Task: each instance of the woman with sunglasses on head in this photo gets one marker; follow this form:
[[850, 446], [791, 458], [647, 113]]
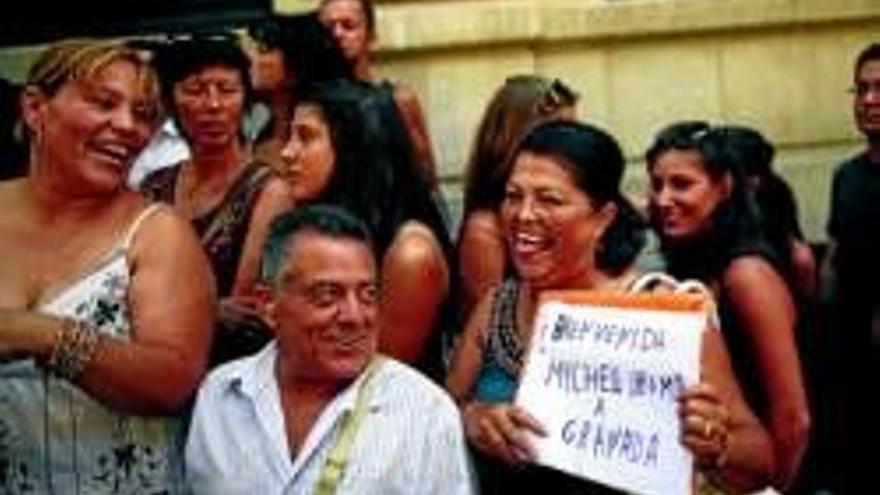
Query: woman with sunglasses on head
[[229, 197], [519, 104], [710, 230], [567, 226]]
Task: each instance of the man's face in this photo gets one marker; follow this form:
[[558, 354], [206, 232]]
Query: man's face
[[866, 98], [325, 306]]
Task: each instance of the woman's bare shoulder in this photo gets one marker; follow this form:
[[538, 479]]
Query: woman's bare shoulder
[[414, 242], [163, 230], [415, 257], [750, 271], [482, 222], [11, 199]]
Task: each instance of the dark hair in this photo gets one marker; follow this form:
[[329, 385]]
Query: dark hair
[[518, 105], [736, 226], [596, 162], [366, 7], [311, 54], [698, 136], [869, 53], [750, 149], [182, 57], [326, 220], [375, 176], [775, 199]]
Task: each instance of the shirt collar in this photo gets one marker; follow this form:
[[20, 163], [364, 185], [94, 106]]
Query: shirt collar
[[169, 127], [255, 373]]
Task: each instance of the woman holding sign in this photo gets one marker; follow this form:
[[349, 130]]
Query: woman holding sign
[[568, 226]]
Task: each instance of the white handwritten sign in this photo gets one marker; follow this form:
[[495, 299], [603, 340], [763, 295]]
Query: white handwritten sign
[[603, 380]]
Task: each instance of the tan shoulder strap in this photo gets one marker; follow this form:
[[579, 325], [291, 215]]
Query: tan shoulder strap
[[133, 228], [334, 467]]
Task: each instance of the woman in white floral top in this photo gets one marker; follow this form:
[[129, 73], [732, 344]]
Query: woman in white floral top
[[106, 302]]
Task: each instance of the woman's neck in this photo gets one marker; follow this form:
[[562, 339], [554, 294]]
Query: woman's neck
[[364, 70], [210, 164], [57, 200], [293, 381]]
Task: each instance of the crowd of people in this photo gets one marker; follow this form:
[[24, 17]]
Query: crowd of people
[[227, 267]]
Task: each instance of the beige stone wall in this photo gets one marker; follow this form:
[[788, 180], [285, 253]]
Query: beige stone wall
[[780, 65]]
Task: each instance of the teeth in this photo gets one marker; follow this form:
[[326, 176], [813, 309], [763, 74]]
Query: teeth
[[527, 243], [528, 238], [117, 151]]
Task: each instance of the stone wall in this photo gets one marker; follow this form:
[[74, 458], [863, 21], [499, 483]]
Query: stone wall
[[780, 65]]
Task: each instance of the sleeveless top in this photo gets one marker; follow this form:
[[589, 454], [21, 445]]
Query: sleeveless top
[[57, 439], [224, 228], [505, 350]]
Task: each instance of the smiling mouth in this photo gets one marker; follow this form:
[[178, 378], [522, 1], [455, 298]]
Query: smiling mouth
[[348, 341], [117, 154], [526, 244]]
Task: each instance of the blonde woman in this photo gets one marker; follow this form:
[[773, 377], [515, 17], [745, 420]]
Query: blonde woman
[[106, 302]]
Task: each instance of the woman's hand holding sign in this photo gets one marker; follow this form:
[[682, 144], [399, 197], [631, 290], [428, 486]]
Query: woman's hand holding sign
[[705, 425], [502, 430]]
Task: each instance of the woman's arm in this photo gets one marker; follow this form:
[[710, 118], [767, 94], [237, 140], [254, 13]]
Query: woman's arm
[[172, 313], [481, 256], [275, 198], [729, 443], [467, 357], [764, 308], [806, 271], [499, 430], [414, 118], [415, 282]]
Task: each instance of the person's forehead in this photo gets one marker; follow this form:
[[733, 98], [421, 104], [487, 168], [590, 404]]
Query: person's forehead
[[343, 8], [214, 72], [308, 111], [310, 254], [870, 69]]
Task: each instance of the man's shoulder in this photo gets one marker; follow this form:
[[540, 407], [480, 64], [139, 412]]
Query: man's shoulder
[[239, 372], [855, 164]]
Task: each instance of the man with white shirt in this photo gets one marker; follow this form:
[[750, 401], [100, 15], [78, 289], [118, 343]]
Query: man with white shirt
[[318, 410]]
